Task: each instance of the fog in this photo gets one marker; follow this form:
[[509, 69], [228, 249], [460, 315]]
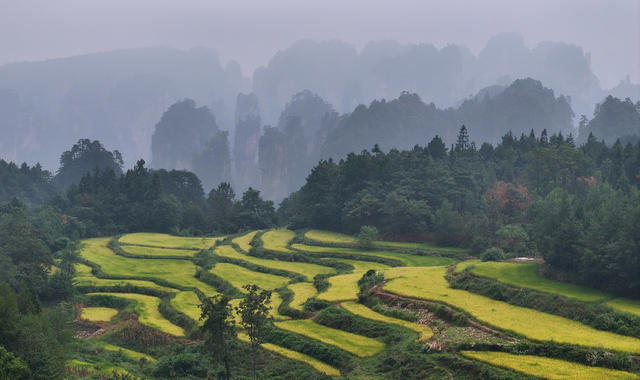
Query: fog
[[251, 31]]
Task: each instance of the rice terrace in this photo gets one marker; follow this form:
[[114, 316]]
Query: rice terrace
[[329, 318]]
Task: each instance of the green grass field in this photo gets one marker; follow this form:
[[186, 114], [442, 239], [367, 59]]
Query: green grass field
[[84, 277], [157, 252], [239, 276], [244, 241], [356, 344], [360, 265], [424, 332], [430, 283], [147, 310], [169, 241], [187, 303], [277, 240], [135, 355], [461, 266], [294, 355], [302, 291], [547, 368], [174, 271], [309, 271], [343, 287], [98, 314], [338, 238], [404, 258]]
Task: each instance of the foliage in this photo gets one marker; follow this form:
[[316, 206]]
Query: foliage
[[254, 317], [492, 254], [219, 326], [367, 236], [11, 368], [84, 157]]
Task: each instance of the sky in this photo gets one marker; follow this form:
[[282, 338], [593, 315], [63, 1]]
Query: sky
[[252, 31]]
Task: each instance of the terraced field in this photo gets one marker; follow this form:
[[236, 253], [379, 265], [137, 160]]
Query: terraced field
[[147, 311], [309, 271], [169, 241], [401, 258], [176, 272], [429, 283], [548, 368], [416, 276], [527, 275]]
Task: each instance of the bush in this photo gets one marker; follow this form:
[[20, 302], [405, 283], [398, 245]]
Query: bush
[[367, 236], [492, 254], [183, 364]]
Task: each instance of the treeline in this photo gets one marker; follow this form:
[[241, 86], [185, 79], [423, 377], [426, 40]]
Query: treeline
[[578, 207]]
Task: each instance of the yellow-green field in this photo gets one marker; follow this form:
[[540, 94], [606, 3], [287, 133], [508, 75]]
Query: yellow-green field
[[98, 314], [309, 271], [169, 241], [187, 303], [277, 240], [302, 291], [135, 355], [547, 368], [356, 344], [343, 287], [84, 277], [147, 311], [359, 265], [404, 258], [460, 267], [174, 271], [430, 283], [329, 237], [156, 251], [239, 276], [424, 332], [104, 369], [244, 241], [294, 355], [626, 305]]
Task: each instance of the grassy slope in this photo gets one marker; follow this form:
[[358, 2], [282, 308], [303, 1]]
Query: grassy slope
[[244, 241], [148, 313], [302, 291], [431, 284], [157, 252], [342, 287], [187, 303], [178, 272], [305, 269], [277, 240], [405, 258], [424, 332], [547, 368], [169, 241], [294, 355], [239, 276], [356, 344], [98, 314]]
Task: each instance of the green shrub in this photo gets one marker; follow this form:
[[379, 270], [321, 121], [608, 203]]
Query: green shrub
[[492, 254], [367, 236]]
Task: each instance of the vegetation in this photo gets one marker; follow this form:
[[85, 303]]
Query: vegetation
[[187, 303], [219, 326], [254, 318], [277, 240], [404, 258], [156, 251], [244, 241], [424, 332], [302, 291], [546, 367], [98, 314], [342, 287], [168, 241], [239, 277]]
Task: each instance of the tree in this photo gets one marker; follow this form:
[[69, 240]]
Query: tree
[[252, 212], [219, 327], [462, 142], [11, 368], [221, 207], [367, 236], [84, 157], [254, 318]]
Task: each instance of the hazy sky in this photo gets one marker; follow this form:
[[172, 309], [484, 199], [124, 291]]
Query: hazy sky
[[252, 31]]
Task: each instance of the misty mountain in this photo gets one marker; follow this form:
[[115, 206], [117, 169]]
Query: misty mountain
[[116, 97]]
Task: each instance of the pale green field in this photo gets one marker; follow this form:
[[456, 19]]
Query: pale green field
[[356, 344], [174, 271], [169, 241], [98, 314], [424, 332], [239, 276], [309, 271], [157, 252], [244, 241], [147, 310], [343, 287], [277, 240], [547, 368], [135, 355], [294, 355], [84, 277], [429, 283], [527, 275], [338, 238], [302, 291], [405, 258], [187, 303], [359, 265]]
